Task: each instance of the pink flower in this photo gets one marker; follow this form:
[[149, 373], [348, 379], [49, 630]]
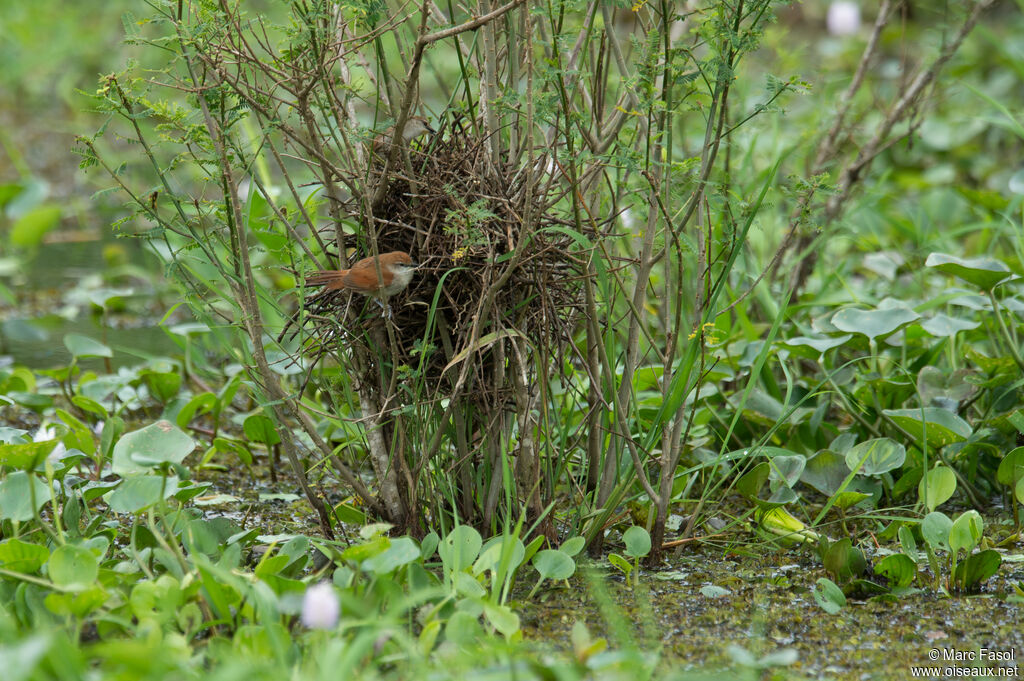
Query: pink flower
[[320, 607]]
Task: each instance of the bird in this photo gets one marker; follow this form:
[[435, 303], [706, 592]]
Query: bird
[[414, 127], [396, 270]]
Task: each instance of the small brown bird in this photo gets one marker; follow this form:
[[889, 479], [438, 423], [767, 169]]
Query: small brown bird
[[414, 127], [396, 270]]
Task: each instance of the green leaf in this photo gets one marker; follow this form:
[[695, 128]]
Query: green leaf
[[845, 500], [976, 568], [28, 231], [554, 564], [141, 450], [898, 568], [502, 618], [403, 550], [573, 545], [83, 346], [260, 428], [946, 327], [942, 426], [138, 492], [17, 492], [73, 567], [876, 456], [873, 323], [26, 456], [984, 273], [638, 542], [19, 556], [460, 548], [828, 596], [937, 486], [822, 343], [825, 472], [844, 561], [1011, 468], [621, 563], [966, 532], [935, 529]]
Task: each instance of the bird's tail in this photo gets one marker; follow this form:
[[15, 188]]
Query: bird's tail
[[328, 278]]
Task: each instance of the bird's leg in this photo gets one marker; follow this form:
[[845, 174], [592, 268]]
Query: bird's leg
[[385, 308]]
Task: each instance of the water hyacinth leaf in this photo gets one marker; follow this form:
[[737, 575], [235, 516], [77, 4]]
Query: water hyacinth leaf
[[502, 618], [141, 450], [429, 545], [976, 568], [966, 532], [845, 500], [821, 344], [460, 548], [1011, 468], [21, 496], [23, 557], [260, 428], [786, 469], [828, 596], [637, 541], [941, 426], [29, 229], [497, 555], [898, 568], [935, 529], [138, 492], [83, 346], [26, 456], [825, 472], [937, 486], [844, 561], [944, 326], [984, 273], [573, 545], [554, 564], [72, 567], [873, 323], [403, 550], [751, 482], [876, 456]]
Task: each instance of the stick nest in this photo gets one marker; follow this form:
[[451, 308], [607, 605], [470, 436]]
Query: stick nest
[[462, 220]]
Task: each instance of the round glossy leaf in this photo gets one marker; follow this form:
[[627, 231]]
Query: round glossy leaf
[[83, 346], [873, 323], [966, 532], [976, 568], [638, 542], [984, 273], [19, 556], [502, 618], [554, 564], [1011, 468], [935, 529], [821, 344], [259, 428], [898, 568], [140, 450], [460, 548], [825, 472], [785, 469], [573, 545], [73, 567], [936, 487], [21, 496], [138, 492], [829, 596], [844, 561], [944, 326], [403, 550], [941, 426], [491, 555], [26, 456], [845, 500], [876, 456]]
